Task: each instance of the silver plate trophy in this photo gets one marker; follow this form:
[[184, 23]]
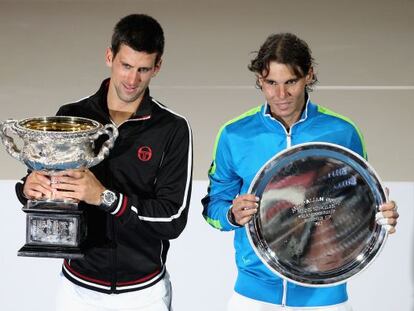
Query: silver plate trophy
[[56, 228], [315, 224]]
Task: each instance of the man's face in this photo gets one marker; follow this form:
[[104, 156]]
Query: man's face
[[284, 92], [131, 72]]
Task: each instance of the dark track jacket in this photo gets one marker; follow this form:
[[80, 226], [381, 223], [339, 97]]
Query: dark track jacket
[[150, 168]]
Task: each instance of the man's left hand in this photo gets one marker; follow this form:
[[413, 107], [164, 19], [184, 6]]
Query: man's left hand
[[388, 215], [78, 184]]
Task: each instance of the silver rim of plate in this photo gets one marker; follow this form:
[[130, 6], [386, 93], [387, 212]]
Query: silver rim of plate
[[315, 224]]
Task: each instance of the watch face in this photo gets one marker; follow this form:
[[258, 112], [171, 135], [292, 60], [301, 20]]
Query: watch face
[[108, 197]]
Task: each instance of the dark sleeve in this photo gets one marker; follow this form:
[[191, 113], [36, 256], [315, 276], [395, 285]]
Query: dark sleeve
[[19, 190], [164, 216]]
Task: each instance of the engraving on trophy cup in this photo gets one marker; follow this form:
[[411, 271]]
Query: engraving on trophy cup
[[56, 228]]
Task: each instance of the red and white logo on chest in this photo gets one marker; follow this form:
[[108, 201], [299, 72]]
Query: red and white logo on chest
[[144, 153]]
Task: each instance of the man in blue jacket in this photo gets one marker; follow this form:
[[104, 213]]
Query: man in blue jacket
[[284, 71]]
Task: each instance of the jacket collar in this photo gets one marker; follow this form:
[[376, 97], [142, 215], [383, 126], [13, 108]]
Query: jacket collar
[[303, 115], [308, 112], [144, 109]]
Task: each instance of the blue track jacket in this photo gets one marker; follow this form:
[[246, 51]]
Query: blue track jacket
[[242, 147]]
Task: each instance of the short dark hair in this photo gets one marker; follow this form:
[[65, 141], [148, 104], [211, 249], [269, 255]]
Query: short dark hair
[[284, 48], [141, 33]]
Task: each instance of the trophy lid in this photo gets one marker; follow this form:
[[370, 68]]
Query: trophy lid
[[315, 224]]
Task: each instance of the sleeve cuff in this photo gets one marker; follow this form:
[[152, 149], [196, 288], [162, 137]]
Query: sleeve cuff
[[231, 220], [118, 207], [19, 192]]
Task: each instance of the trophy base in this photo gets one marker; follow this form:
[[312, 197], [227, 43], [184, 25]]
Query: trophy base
[[50, 252], [54, 230]]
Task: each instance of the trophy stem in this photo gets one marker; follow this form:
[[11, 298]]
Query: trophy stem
[[52, 204]]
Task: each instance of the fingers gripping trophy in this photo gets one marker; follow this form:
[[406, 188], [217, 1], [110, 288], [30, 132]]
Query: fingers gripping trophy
[[56, 227]]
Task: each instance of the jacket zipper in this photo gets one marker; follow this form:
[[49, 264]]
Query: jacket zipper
[[113, 242], [288, 139], [114, 261], [284, 293], [288, 145]]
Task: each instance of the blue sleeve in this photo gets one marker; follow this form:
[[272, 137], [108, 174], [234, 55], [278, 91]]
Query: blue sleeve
[[357, 143], [224, 185]]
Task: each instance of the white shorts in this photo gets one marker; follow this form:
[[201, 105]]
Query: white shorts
[[73, 297], [241, 303]]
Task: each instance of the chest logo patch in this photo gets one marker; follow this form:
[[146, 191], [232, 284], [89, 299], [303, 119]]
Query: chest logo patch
[[144, 153]]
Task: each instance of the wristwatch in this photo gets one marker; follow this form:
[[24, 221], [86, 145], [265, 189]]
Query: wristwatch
[[108, 198], [232, 220]]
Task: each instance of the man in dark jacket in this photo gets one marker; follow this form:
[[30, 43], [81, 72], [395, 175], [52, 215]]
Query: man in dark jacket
[[137, 199]]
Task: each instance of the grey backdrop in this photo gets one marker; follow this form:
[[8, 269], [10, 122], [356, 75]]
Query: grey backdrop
[[52, 52]]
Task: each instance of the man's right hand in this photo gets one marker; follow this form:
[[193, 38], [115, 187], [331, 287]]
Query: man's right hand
[[37, 186], [244, 207]]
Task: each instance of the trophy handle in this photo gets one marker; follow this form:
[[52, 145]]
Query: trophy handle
[[7, 140], [112, 132]]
